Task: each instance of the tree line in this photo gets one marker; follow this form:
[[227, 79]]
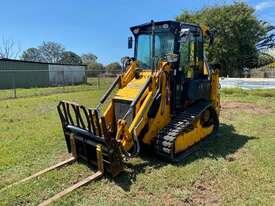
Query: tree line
[[241, 40], [53, 52]]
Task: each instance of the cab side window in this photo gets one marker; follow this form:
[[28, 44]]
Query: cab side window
[[191, 56]]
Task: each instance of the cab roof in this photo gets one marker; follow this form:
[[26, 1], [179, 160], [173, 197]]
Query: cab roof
[[173, 26]]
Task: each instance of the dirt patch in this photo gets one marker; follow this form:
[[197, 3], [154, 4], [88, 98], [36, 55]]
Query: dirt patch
[[237, 155], [249, 108], [203, 194], [168, 200], [165, 198]]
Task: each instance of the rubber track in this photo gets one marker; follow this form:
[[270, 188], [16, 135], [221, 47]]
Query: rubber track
[[181, 123]]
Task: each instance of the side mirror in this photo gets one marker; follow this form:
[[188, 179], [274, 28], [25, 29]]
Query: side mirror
[[211, 35], [130, 42]]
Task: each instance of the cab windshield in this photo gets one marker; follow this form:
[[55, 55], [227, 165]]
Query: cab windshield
[[164, 44]]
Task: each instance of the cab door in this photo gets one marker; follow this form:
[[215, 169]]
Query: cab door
[[193, 83]]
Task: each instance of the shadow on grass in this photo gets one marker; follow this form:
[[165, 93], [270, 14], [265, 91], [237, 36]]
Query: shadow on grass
[[225, 143]]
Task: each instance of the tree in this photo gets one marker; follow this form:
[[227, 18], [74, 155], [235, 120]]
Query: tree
[[113, 68], [88, 58], [69, 57], [51, 52], [95, 69], [264, 59], [32, 54], [48, 52], [9, 49], [237, 33]]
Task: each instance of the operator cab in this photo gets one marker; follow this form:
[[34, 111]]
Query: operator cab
[[153, 42], [166, 40], [157, 40]]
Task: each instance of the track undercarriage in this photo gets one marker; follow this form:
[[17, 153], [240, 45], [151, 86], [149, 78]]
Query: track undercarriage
[[187, 129]]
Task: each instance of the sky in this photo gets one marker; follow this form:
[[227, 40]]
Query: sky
[[97, 26]]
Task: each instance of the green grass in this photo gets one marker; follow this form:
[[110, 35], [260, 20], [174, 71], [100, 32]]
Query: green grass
[[237, 168], [92, 83], [238, 92]]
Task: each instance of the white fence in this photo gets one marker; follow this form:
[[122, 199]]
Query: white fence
[[248, 83]]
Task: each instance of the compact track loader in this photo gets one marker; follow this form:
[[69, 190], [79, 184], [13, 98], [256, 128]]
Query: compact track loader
[[167, 97]]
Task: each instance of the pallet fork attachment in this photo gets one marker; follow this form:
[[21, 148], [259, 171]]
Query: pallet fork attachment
[[83, 182], [90, 130], [56, 166], [72, 159]]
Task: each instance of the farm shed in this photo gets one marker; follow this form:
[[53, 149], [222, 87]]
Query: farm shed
[[27, 74]]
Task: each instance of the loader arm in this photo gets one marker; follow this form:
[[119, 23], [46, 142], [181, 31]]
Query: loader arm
[[122, 80], [126, 77], [155, 89], [93, 127]]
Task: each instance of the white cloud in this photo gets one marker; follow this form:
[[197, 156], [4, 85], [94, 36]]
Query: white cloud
[[264, 5]]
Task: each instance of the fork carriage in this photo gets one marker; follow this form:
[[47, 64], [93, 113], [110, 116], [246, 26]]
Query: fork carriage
[[89, 130]]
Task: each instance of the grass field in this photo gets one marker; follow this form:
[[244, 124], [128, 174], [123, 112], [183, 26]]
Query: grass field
[[92, 83], [237, 168]]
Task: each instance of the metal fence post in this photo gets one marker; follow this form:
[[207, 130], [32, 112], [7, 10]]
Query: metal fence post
[[86, 77], [14, 85], [63, 75], [98, 81]]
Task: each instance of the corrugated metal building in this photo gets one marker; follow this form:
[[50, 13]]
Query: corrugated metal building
[[26, 74]]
